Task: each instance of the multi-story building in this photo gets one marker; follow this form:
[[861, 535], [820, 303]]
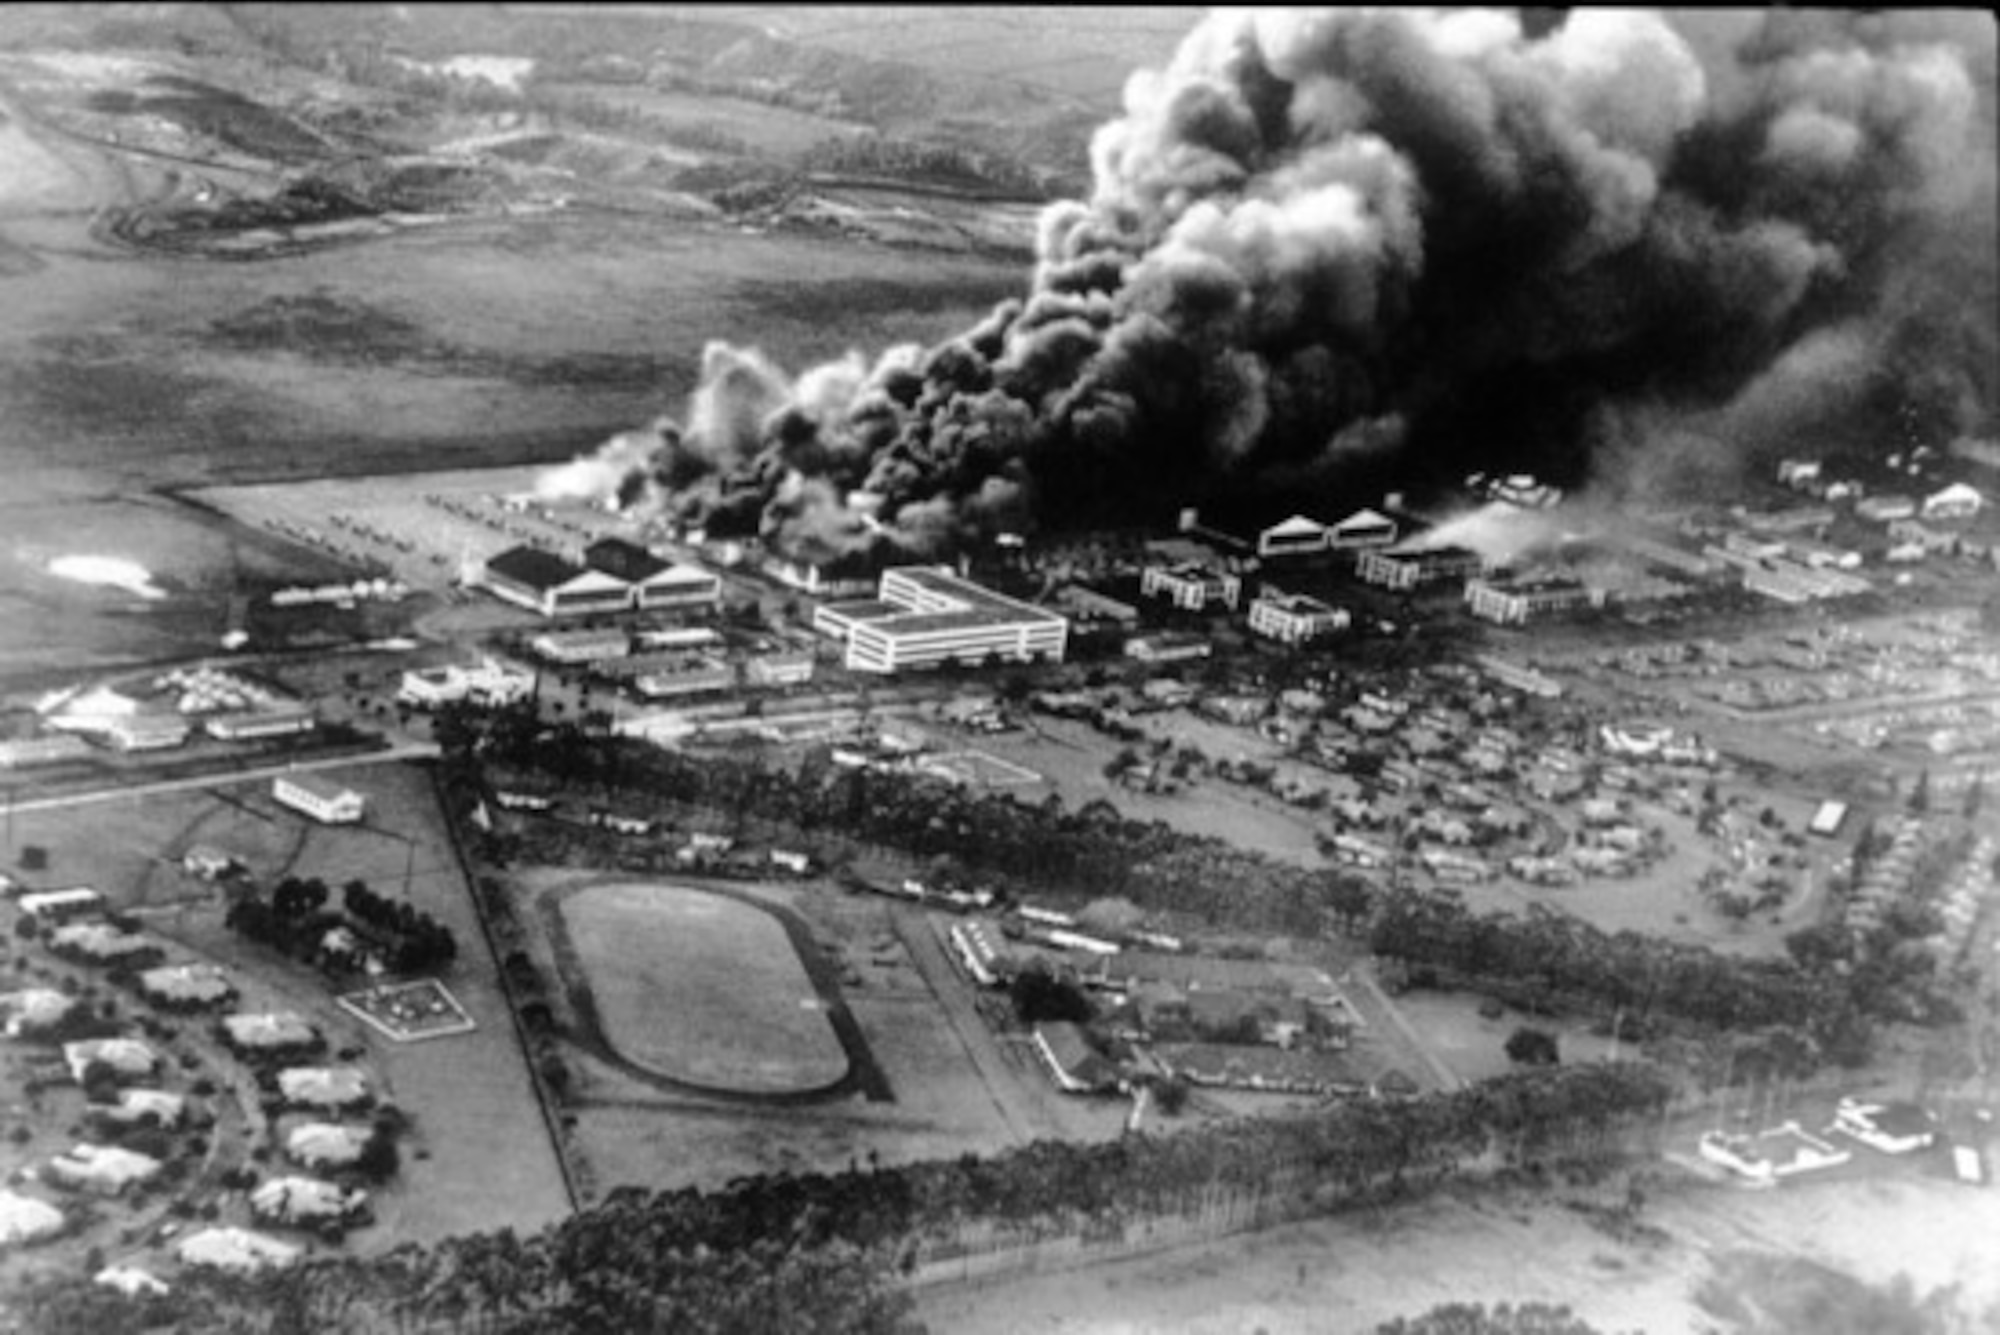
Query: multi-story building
[[924, 616], [1293, 618], [1192, 586], [1513, 602], [1404, 568]]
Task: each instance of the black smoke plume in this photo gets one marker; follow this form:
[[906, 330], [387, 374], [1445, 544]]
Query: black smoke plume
[[1329, 249]]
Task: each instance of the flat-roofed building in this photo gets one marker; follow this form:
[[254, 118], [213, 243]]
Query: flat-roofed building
[[543, 582], [1404, 568], [1168, 648], [685, 674], [147, 732], [1883, 509], [62, 905], [925, 615], [778, 667], [284, 721], [653, 582], [1513, 602], [490, 683], [1363, 528], [326, 803], [1192, 586], [1294, 618], [848, 576], [1087, 604], [54, 749], [1297, 536], [581, 646]]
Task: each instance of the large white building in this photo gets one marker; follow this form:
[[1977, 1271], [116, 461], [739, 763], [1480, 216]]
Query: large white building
[[924, 616], [490, 683], [1293, 618], [323, 802]]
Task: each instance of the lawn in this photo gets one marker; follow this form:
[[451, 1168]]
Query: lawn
[[702, 989]]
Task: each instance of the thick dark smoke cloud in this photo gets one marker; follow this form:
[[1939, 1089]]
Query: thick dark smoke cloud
[[1328, 249]]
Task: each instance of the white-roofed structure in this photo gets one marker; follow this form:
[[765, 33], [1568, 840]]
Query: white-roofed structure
[[326, 1144], [329, 804], [235, 1249], [35, 1010], [323, 1086], [127, 1057], [304, 1200], [23, 1218], [1957, 501], [130, 1280], [188, 986], [268, 1031], [138, 1105], [104, 1169], [1297, 536], [100, 943]]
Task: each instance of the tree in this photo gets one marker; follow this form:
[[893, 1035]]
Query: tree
[[1920, 796], [1039, 996], [1532, 1047]]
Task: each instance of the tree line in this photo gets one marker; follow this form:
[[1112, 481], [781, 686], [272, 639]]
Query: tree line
[[825, 1251]]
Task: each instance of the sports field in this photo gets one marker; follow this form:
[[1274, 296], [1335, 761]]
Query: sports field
[[701, 988]]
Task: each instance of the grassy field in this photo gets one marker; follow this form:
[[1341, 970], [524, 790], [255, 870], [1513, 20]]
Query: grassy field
[[701, 988]]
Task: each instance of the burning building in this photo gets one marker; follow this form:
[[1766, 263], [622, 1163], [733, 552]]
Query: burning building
[[1326, 250]]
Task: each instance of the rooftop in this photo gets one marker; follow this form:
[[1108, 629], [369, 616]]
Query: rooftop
[[533, 567]]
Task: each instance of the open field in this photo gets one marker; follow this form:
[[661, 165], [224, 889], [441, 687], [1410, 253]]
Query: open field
[[480, 340], [954, 1087], [703, 989], [1344, 1276]]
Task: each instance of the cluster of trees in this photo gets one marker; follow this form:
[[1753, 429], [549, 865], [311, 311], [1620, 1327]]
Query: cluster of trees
[[1543, 959], [821, 1251], [1479, 1319], [1538, 960], [296, 921], [887, 155], [422, 943]]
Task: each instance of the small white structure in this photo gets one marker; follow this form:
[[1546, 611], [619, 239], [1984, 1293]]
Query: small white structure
[[1783, 1151], [188, 985], [139, 1105], [62, 905], [326, 1144], [324, 803], [130, 1281], [268, 1030], [23, 1218], [35, 1010], [323, 1086], [234, 1249], [128, 1057], [1892, 1128], [1958, 501], [304, 1200], [104, 1169]]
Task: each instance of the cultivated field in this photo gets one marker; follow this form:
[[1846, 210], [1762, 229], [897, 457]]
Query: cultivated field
[[702, 989]]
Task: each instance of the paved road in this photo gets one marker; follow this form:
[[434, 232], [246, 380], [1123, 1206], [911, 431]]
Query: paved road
[[228, 778], [1025, 1118]]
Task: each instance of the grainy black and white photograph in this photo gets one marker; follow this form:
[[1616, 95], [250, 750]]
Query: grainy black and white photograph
[[735, 669]]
